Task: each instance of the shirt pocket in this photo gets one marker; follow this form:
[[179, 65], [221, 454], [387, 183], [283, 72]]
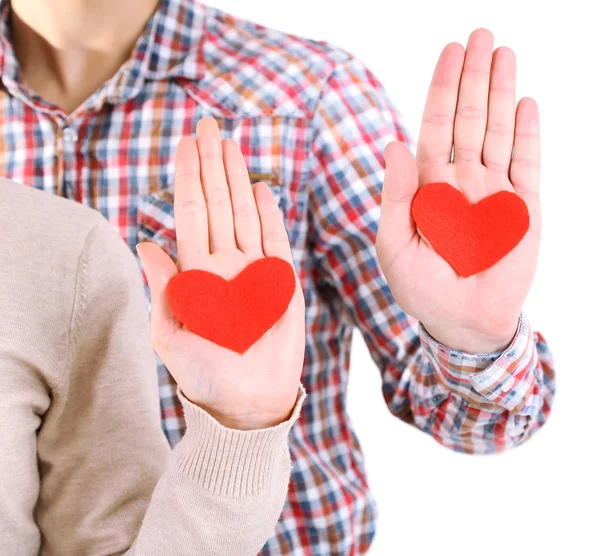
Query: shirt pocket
[[156, 220]]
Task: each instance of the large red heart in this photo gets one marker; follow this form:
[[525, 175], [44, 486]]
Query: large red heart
[[472, 238], [233, 313]]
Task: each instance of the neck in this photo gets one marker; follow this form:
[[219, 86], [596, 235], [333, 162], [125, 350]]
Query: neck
[[68, 48]]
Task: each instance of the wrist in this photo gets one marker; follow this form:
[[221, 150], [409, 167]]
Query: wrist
[[231, 462], [249, 421], [472, 341]]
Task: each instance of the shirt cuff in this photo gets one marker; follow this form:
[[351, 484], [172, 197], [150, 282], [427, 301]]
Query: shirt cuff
[[493, 382], [231, 462]]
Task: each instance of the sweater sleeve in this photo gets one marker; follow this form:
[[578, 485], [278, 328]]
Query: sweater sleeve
[[109, 481], [222, 492]]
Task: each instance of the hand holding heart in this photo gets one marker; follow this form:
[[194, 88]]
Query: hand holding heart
[[236, 236], [470, 114]]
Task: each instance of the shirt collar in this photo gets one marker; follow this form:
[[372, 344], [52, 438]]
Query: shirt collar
[[170, 47]]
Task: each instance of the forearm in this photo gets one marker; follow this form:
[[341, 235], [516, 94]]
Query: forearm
[[484, 402], [222, 492]]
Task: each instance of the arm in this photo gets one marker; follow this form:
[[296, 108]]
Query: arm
[[456, 397], [109, 478], [223, 224]]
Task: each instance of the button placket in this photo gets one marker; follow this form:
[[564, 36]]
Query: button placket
[[69, 140]]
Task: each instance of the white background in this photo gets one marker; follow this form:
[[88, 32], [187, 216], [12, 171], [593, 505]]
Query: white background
[[543, 497]]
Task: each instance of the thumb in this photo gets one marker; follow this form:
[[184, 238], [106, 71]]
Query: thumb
[[159, 269], [399, 188]]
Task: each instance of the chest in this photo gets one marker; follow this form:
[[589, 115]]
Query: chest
[[119, 159]]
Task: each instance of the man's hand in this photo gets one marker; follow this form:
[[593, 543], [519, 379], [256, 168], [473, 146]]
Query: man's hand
[[470, 108], [222, 226]]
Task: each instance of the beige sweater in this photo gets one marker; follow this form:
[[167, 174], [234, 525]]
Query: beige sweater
[[85, 468]]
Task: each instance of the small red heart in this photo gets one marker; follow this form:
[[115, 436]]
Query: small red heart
[[470, 237], [233, 313]]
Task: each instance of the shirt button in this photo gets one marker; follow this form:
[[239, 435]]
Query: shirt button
[[69, 135], [508, 384]]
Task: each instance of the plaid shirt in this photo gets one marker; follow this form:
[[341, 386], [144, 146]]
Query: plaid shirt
[[312, 122]]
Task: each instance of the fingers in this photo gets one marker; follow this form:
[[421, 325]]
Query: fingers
[[525, 164], [437, 126], [215, 207], [274, 236], [399, 188], [472, 108], [214, 185], [245, 213], [159, 269], [189, 206], [500, 130]]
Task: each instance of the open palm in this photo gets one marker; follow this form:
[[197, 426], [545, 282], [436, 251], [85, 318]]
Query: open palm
[[222, 226], [470, 138]]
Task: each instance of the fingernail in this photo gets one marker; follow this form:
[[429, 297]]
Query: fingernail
[[137, 248]]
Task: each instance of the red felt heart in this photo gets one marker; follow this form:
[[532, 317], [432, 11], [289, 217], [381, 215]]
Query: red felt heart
[[233, 313], [470, 237]]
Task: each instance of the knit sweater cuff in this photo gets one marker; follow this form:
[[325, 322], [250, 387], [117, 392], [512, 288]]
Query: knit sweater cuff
[[231, 462]]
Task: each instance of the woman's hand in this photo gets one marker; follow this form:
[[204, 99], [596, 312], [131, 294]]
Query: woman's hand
[[223, 224], [471, 109]]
